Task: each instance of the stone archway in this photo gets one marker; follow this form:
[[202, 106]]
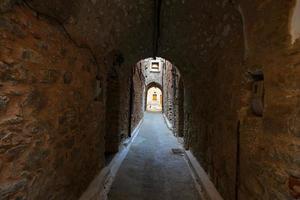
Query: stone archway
[[149, 86], [154, 99]]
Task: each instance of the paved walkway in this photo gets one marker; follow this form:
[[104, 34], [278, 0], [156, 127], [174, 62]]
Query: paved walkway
[[151, 171]]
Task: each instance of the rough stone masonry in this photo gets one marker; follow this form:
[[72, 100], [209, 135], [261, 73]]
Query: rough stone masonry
[[240, 71]]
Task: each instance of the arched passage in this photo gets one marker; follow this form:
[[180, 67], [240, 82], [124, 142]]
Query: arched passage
[[163, 75], [154, 97], [51, 124]]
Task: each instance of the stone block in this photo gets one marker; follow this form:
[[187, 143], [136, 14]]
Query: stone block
[[35, 158], [67, 77], [11, 27], [12, 121], [69, 143], [10, 188], [4, 100], [58, 162], [43, 45], [68, 118], [16, 73], [6, 5], [13, 153], [36, 100], [294, 186], [255, 185], [49, 76]]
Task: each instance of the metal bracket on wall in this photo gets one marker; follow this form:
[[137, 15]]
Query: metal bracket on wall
[[257, 101], [98, 89]]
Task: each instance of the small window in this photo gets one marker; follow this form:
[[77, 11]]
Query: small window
[[155, 67], [154, 97]]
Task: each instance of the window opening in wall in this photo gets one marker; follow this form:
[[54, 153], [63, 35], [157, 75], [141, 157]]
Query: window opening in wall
[[154, 97], [155, 67]]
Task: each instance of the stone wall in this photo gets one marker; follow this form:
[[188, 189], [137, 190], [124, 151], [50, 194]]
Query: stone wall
[[124, 102], [269, 144], [170, 81], [241, 92], [138, 95], [125, 81], [152, 77], [53, 107], [51, 144], [247, 139], [113, 110], [181, 115], [207, 47]]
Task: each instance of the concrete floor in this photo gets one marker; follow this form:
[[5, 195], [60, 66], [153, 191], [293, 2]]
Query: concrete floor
[[151, 171]]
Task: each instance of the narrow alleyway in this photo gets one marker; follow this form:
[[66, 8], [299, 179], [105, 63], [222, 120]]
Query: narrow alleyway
[[151, 171], [76, 78]]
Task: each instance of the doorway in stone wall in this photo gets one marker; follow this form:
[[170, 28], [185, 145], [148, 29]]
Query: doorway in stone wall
[[154, 99], [157, 101]]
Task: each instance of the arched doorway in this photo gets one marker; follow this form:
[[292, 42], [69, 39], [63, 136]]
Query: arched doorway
[[154, 98]]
